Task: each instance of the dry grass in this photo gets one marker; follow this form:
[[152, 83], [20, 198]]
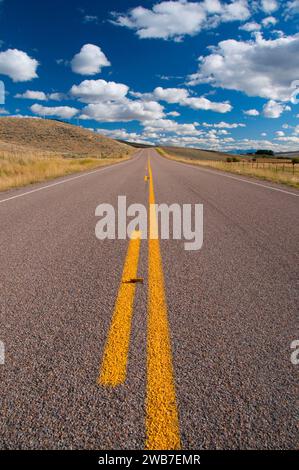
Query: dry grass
[[277, 173], [20, 169], [194, 154], [45, 135], [36, 150]]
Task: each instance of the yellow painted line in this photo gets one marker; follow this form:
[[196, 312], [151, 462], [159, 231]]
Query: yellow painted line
[[162, 422], [114, 365]]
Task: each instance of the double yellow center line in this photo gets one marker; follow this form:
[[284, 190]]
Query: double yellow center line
[[114, 365], [162, 423]]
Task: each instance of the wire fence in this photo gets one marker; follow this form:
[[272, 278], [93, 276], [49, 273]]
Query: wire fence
[[275, 166]]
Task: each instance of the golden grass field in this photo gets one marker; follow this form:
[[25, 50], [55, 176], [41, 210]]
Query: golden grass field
[[277, 171], [25, 168], [36, 150]]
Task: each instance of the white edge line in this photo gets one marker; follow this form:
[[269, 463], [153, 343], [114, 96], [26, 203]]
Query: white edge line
[[220, 173], [103, 168]]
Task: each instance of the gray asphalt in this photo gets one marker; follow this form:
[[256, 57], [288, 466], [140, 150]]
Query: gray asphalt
[[233, 313]]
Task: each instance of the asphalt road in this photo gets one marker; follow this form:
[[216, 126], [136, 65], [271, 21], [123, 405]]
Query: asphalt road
[[215, 353]]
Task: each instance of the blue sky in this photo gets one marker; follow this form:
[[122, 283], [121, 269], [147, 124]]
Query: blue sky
[[211, 74]]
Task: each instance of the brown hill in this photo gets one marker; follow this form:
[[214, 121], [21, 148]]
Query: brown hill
[[195, 154], [50, 136]]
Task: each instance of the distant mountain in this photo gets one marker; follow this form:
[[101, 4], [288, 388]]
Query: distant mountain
[[277, 154], [242, 151]]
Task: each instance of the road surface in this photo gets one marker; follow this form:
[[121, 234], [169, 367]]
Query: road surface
[[202, 344]]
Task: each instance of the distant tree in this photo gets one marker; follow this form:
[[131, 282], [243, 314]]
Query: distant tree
[[295, 160], [229, 159], [269, 153]]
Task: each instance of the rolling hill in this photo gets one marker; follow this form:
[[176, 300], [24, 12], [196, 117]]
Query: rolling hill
[[36, 150], [195, 154], [50, 136]]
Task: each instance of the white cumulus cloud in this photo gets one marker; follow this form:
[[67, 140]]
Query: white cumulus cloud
[[259, 67], [18, 65], [123, 134], [64, 112], [251, 112], [57, 96], [95, 91], [170, 95], [32, 95], [289, 139], [41, 95], [182, 97], [176, 19], [274, 110], [202, 103], [250, 27], [123, 111], [169, 126], [269, 6], [269, 21], [173, 113], [89, 61], [224, 125]]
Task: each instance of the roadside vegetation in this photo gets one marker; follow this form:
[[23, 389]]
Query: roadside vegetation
[[194, 154], [36, 150], [270, 169], [23, 168]]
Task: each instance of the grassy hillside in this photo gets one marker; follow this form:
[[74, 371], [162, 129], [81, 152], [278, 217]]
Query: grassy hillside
[[35, 150], [195, 154], [58, 137]]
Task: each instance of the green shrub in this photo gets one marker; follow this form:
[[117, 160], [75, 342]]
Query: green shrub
[[265, 152]]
